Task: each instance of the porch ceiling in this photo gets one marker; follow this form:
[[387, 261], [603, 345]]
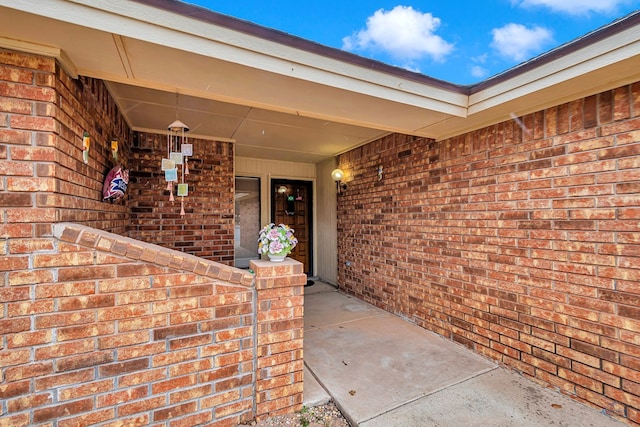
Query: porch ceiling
[[277, 96]]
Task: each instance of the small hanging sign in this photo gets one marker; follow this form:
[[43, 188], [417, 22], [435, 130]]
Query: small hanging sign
[[171, 175], [176, 157], [183, 190], [187, 149], [168, 164]]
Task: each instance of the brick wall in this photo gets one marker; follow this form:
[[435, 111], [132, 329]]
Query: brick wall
[[280, 336], [43, 116], [207, 229], [100, 328], [520, 241], [84, 104], [123, 331]]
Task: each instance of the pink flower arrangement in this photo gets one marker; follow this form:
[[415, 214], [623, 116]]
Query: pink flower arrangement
[[276, 240]]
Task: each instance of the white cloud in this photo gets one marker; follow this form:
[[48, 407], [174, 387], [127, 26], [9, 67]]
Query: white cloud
[[480, 59], [517, 42], [576, 7], [478, 71], [403, 33]]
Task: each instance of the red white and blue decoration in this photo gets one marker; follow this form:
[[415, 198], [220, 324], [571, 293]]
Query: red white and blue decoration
[[115, 184]]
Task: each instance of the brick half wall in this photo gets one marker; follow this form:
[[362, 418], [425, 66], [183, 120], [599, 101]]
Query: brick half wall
[[98, 328], [520, 241], [280, 336]]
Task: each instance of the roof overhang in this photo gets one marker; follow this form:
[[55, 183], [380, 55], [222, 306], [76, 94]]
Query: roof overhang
[[282, 97]]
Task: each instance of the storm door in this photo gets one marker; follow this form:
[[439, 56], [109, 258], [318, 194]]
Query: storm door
[[247, 221]]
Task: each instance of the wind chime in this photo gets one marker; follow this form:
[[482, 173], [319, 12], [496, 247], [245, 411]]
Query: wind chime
[[178, 153]]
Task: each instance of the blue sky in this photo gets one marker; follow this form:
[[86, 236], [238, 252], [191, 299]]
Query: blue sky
[[460, 41]]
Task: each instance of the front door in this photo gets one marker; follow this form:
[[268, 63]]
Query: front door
[[291, 205]]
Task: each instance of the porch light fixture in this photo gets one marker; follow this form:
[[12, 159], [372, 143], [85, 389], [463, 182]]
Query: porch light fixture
[[337, 175]]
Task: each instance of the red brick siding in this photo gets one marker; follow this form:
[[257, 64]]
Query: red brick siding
[[207, 229], [520, 241], [279, 380], [86, 105], [43, 115], [124, 331], [99, 328]]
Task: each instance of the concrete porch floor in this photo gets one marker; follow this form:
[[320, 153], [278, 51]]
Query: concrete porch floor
[[385, 372]]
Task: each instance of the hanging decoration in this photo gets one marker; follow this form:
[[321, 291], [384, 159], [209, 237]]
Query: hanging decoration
[[114, 150], [115, 184], [86, 143], [175, 166]]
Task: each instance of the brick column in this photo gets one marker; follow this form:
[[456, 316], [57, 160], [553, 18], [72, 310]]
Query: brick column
[[280, 324]]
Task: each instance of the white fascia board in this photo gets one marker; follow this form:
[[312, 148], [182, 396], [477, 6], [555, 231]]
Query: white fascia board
[[157, 26], [604, 53]]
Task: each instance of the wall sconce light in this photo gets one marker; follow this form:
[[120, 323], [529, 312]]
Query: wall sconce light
[[337, 175]]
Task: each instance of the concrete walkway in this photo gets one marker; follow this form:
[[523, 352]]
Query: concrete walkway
[[385, 372]]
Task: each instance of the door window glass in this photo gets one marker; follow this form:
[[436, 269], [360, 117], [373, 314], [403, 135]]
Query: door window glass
[[247, 220]]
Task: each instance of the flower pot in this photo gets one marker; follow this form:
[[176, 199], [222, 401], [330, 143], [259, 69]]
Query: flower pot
[[276, 241], [277, 258]]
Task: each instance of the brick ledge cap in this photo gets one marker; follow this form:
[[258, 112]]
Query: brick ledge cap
[[73, 233]]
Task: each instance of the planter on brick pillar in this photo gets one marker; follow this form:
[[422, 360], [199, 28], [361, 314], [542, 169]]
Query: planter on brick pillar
[[280, 299]]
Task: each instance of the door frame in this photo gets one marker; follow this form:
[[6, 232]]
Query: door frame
[[309, 184]]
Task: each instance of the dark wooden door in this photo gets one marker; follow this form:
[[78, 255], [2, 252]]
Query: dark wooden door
[[291, 204]]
